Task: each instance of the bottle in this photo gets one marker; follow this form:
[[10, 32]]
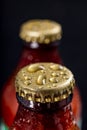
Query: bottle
[[44, 92], [41, 39]]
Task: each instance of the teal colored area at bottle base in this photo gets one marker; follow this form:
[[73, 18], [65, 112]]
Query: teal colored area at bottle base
[[3, 126], [79, 123]]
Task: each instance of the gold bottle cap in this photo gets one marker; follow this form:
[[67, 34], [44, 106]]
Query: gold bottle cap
[[41, 31], [44, 82]]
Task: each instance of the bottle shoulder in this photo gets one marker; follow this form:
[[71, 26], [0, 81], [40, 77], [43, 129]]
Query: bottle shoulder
[[59, 120]]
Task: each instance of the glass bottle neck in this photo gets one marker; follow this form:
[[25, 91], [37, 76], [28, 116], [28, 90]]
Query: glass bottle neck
[[49, 120], [35, 45], [39, 53]]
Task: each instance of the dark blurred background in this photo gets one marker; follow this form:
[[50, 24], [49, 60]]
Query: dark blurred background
[[73, 47]]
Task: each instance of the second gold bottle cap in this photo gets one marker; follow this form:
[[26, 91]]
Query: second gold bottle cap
[[44, 82], [41, 31]]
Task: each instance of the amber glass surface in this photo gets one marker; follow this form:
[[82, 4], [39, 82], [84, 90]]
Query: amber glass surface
[[46, 117], [31, 53]]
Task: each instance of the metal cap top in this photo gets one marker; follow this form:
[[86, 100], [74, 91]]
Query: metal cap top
[[44, 82], [41, 31]]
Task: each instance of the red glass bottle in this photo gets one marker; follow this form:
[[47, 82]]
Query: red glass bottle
[[44, 92], [41, 39]]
